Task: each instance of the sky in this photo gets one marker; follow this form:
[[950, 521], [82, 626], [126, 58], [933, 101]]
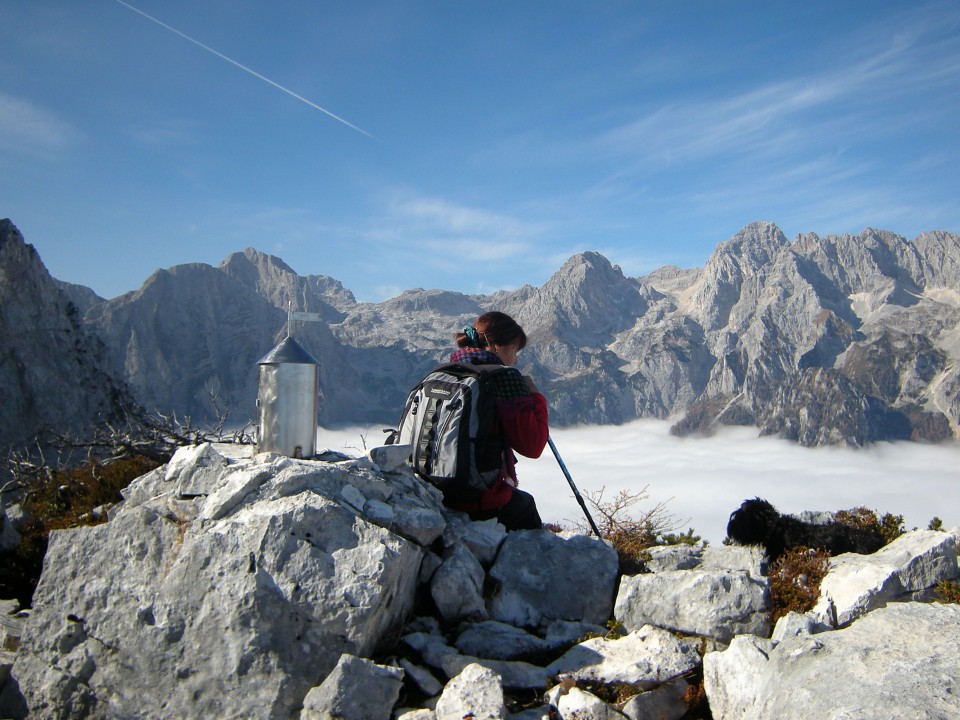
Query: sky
[[467, 146], [699, 481]]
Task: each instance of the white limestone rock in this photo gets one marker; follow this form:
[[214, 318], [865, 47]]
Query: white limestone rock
[[899, 662], [716, 603], [542, 577], [646, 658], [908, 567], [476, 693], [457, 585], [237, 614], [356, 689]]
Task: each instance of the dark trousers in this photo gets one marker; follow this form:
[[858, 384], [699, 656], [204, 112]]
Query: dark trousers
[[520, 513]]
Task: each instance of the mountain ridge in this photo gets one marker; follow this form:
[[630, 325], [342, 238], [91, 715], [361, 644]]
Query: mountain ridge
[[845, 339]]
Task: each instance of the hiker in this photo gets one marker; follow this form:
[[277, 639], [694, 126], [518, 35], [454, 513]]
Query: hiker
[[496, 339]]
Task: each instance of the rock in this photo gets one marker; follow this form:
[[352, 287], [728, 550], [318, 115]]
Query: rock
[[9, 537], [258, 598], [195, 470], [474, 693], [457, 585], [689, 557], [645, 659], [513, 674], [909, 567], [499, 641], [579, 703], [735, 678], [390, 457], [484, 538], [543, 577], [11, 628], [896, 662], [422, 678], [436, 653], [667, 702], [356, 689], [416, 714], [715, 603]]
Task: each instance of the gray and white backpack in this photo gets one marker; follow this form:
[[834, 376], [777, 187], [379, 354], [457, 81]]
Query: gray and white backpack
[[450, 420]]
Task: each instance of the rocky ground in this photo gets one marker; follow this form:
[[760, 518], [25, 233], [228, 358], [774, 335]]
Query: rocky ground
[[236, 585]]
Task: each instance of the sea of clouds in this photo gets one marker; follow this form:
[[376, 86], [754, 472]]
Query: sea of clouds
[[700, 481]]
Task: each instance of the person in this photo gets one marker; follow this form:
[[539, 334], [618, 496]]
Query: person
[[496, 338]]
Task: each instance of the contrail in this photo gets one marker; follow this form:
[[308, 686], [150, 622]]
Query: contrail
[[245, 69]]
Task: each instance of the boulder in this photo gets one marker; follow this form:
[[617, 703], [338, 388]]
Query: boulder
[[577, 703], [236, 613], [706, 557], [543, 577], [644, 659], [716, 603], [499, 641], [437, 653], [899, 662], [484, 537], [457, 585], [356, 689], [908, 568], [667, 702], [475, 693]]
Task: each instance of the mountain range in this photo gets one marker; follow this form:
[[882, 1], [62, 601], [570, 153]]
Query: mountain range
[[844, 339]]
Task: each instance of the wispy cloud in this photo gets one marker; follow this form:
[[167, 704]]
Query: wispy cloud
[[856, 97], [27, 129], [454, 234]]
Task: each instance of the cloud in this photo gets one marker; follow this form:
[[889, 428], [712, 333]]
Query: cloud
[[450, 235], [853, 98], [702, 480], [28, 129]]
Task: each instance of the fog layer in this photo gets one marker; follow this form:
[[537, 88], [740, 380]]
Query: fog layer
[[702, 480]]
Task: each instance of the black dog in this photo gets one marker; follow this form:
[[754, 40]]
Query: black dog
[[757, 522]]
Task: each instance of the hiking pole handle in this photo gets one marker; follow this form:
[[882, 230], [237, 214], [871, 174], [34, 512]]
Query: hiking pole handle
[[576, 493]]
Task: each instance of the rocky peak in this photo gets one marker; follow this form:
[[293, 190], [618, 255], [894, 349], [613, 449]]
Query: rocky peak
[[939, 254], [736, 261], [273, 279], [53, 374], [587, 301], [80, 295]]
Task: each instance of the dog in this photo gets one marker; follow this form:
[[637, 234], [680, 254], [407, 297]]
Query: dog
[[757, 522]]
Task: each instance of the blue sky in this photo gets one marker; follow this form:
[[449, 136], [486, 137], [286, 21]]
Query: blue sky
[[470, 146]]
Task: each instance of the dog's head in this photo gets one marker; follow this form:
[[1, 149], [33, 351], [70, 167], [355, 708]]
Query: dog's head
[[751, 522]]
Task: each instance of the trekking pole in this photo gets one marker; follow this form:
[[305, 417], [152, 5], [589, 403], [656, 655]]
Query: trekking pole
[[576, 492]]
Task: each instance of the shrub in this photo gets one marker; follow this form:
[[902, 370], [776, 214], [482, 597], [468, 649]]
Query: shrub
[[57, 500], [630, 536], [948, 591], [889, 526], [795, 580]]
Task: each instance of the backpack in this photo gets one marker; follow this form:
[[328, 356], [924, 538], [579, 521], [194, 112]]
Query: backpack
[[450, 420]]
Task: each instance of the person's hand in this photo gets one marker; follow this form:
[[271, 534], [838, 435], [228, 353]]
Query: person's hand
[[531, 386]]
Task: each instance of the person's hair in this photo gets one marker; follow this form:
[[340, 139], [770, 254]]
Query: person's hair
[[493, 328]]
